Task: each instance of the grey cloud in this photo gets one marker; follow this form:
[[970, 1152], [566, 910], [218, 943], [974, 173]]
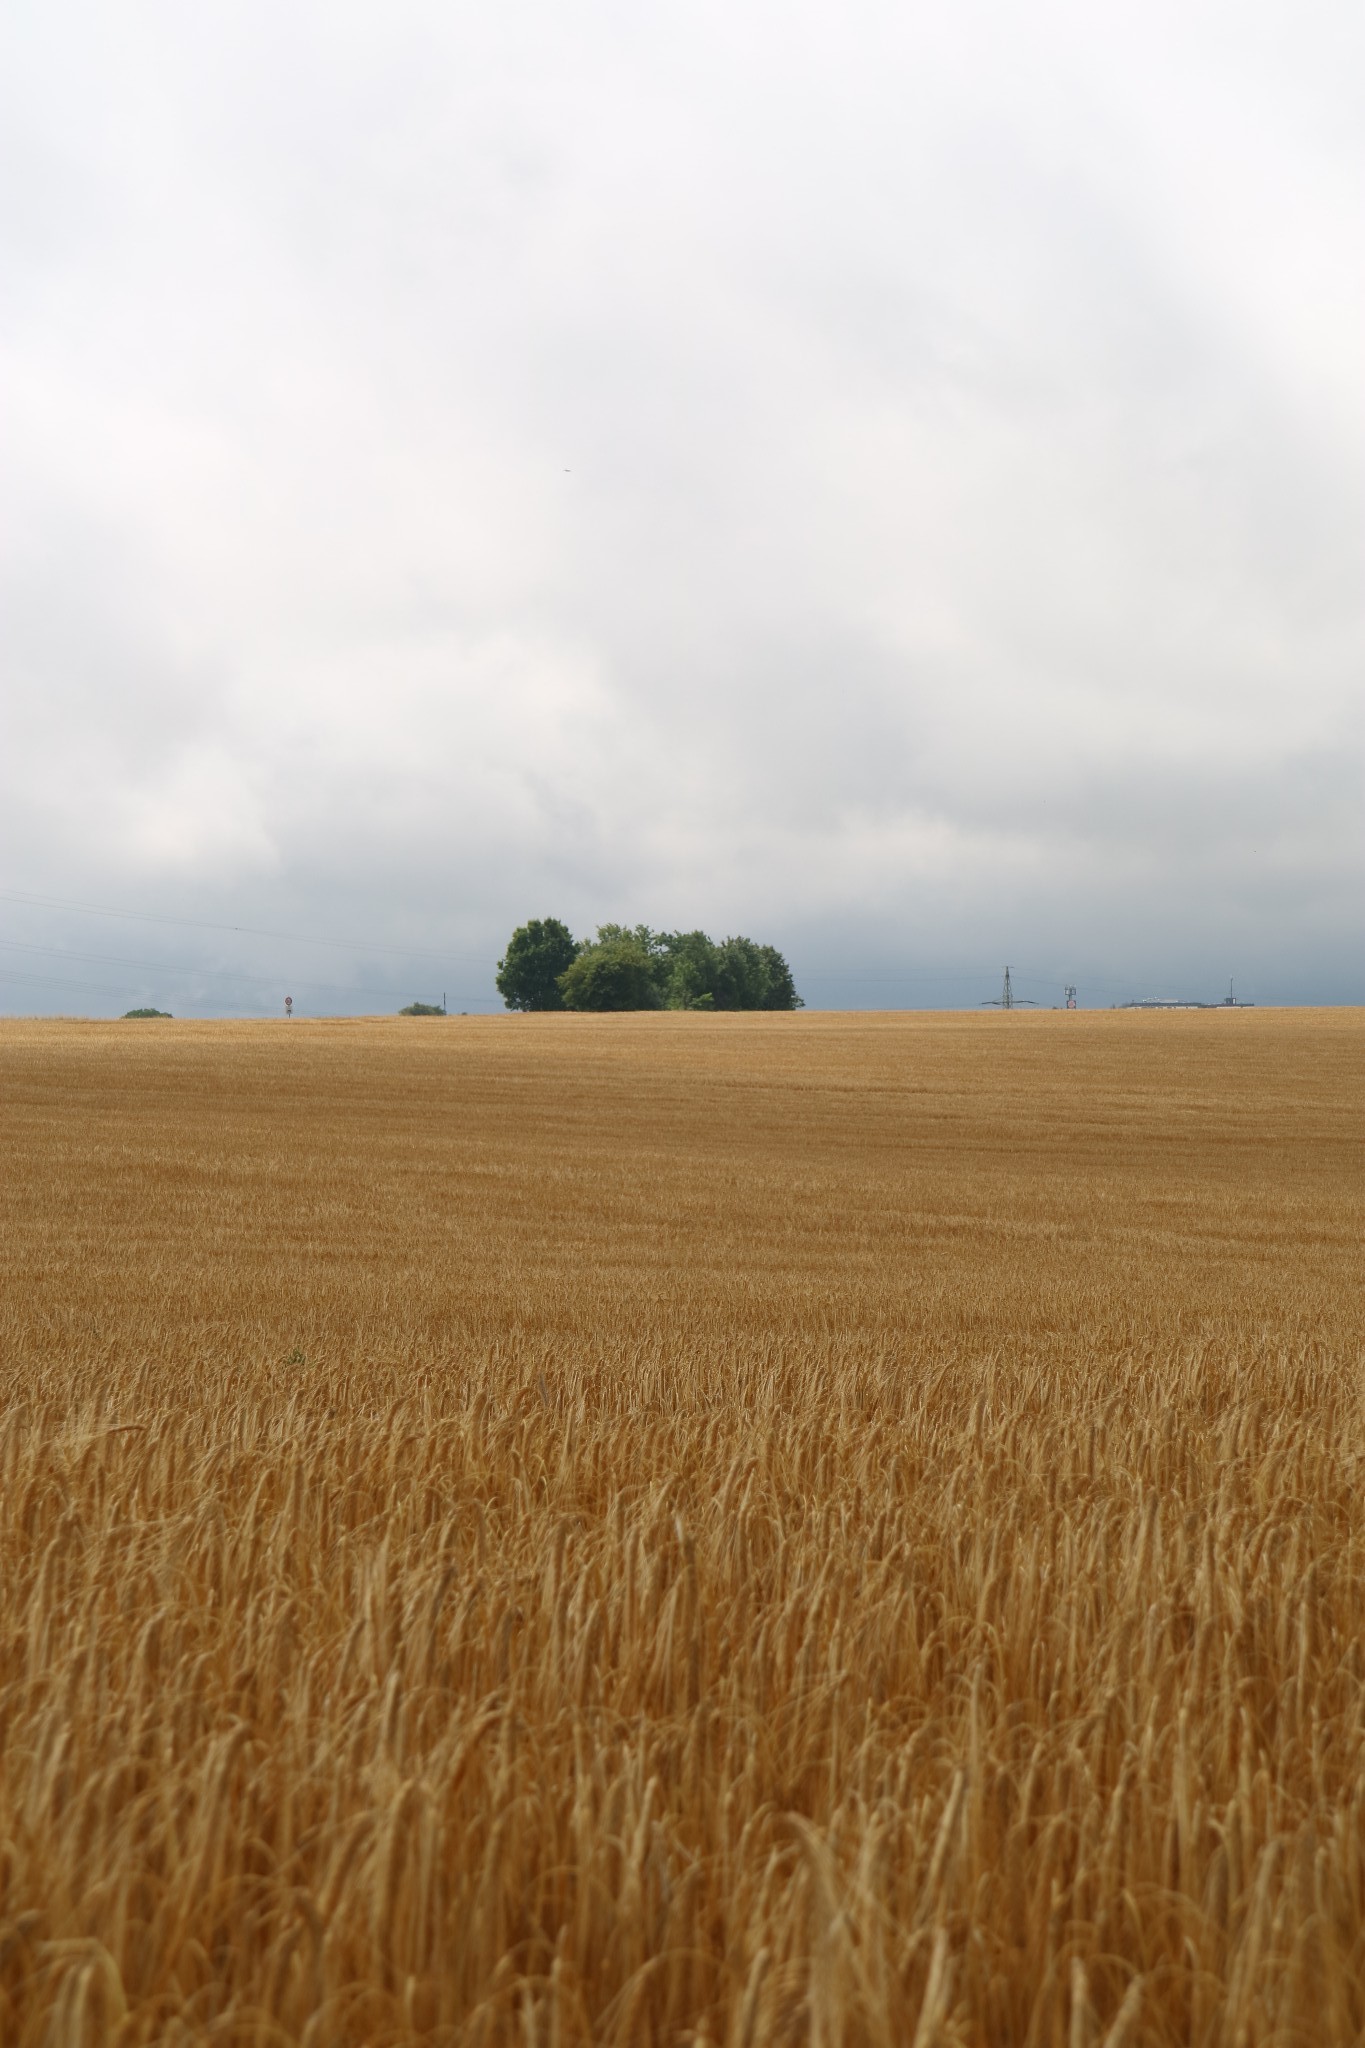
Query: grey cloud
[[890, 481]]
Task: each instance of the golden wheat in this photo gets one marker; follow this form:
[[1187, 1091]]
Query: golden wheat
[[822, 1530]]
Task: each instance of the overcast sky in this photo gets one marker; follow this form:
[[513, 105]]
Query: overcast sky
[[885, 479]]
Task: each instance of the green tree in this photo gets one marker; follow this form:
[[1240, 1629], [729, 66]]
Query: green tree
[[654, 945], [780, 990], [613, 973], [632, 967], [693, 970], [741, 981], [538, 953], [753, 977]]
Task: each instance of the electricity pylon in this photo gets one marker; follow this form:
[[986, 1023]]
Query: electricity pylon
[[1007, 999]]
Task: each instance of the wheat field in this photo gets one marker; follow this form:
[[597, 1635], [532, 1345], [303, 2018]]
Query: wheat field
[[825, 1529]]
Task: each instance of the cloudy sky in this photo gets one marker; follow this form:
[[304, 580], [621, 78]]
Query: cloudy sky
[[889, 479]]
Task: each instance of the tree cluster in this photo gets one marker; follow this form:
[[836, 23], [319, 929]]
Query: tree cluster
[[630, 967]]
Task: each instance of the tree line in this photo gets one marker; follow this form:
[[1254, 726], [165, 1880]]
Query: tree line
[[630, 967]]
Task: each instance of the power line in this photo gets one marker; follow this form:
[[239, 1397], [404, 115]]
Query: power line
[[251, 930], [63, 981], [113, 988], [1030, 976], [193, 972], [914, 980], [854, 979]]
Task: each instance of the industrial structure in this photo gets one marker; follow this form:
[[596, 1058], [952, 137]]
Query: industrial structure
[[1230, 1001]]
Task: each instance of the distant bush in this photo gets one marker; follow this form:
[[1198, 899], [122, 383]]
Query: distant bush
[[423, 1010], [145, 1013]]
